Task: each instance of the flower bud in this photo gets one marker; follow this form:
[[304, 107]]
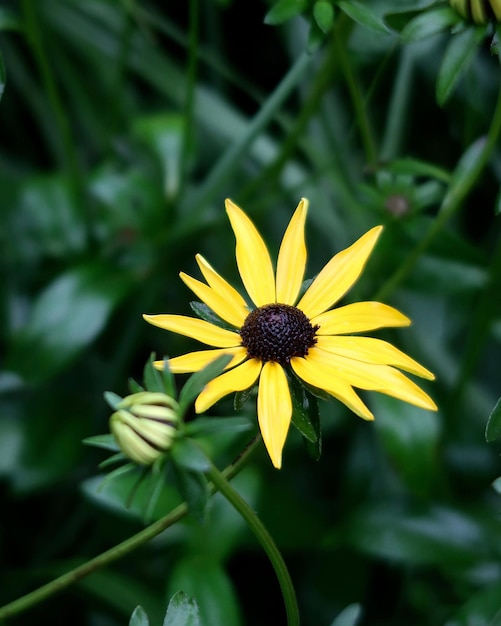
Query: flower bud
[[478, 11], [145, 425]]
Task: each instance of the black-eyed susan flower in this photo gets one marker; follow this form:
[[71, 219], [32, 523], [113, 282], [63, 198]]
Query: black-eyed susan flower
[[276, 333]]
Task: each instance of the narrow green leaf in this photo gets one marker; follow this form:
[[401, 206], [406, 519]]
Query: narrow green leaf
[[10, 20], [182, 611], [497, 484], [349, 616], [241, 398], [457, 58], [164, 135], [205, 313], [204, 578], [113, 460], [193, 488], [112, 399], [493, 428], [67, 316], [284, 10], [134, 386], [301, 411], [107, 442], [197, 381], [189, 455], [168, 380], [3, 75], [362, 15], [152, 377], [416, 167], [429, 23], [209, 425], [465, 169], [117, 473], [497, 205], [323, 12], [139, 617]]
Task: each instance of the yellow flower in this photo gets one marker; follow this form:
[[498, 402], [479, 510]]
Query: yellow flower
[[277, 333]]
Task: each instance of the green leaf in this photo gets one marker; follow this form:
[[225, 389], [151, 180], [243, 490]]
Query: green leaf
[[194, 490], [68, 315], [107, 442], [113, 399], [323, 12], [196, 382], [182, 611], [458, 56], [349, 616], [429, 23], [139, 617], [9, 20], [497, 204], [3, 75], [119, 457], [189, 455], [305, 416], [388, 532], [362, 15], [241, 398], [284, 10], [168, 380], [207, 314], [465, 169], [203, 578], [416, 167], [497, 484], [493, 428], [208, 425], [410, 437], [134, 386], [164, 135], [152, 378]]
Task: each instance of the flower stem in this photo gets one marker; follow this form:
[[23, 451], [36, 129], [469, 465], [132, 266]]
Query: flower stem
[[450, 204], [120, 550], [364, 125], [264, 538]]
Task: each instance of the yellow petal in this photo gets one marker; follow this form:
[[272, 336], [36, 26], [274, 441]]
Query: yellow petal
[[253, 259], [235, 306], [238, 379], [196, 329], [292, 257], [340, 273], [274, 409], [214, 300], [195, 361], [323, 378], [359, 317], [382, 378], [371, 350]]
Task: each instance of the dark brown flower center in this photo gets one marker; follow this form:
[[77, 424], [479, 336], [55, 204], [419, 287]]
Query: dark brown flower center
[[277, 332]]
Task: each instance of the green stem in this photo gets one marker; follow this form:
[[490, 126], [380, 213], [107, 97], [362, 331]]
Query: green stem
[[191, 76], [69, 155], [231, 159], [264, 539], [460, 188], [358, 101], [118, 551], [398, 107], [321, 81]]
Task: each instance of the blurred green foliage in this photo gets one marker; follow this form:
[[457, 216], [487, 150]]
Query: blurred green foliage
[[123, 126]]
